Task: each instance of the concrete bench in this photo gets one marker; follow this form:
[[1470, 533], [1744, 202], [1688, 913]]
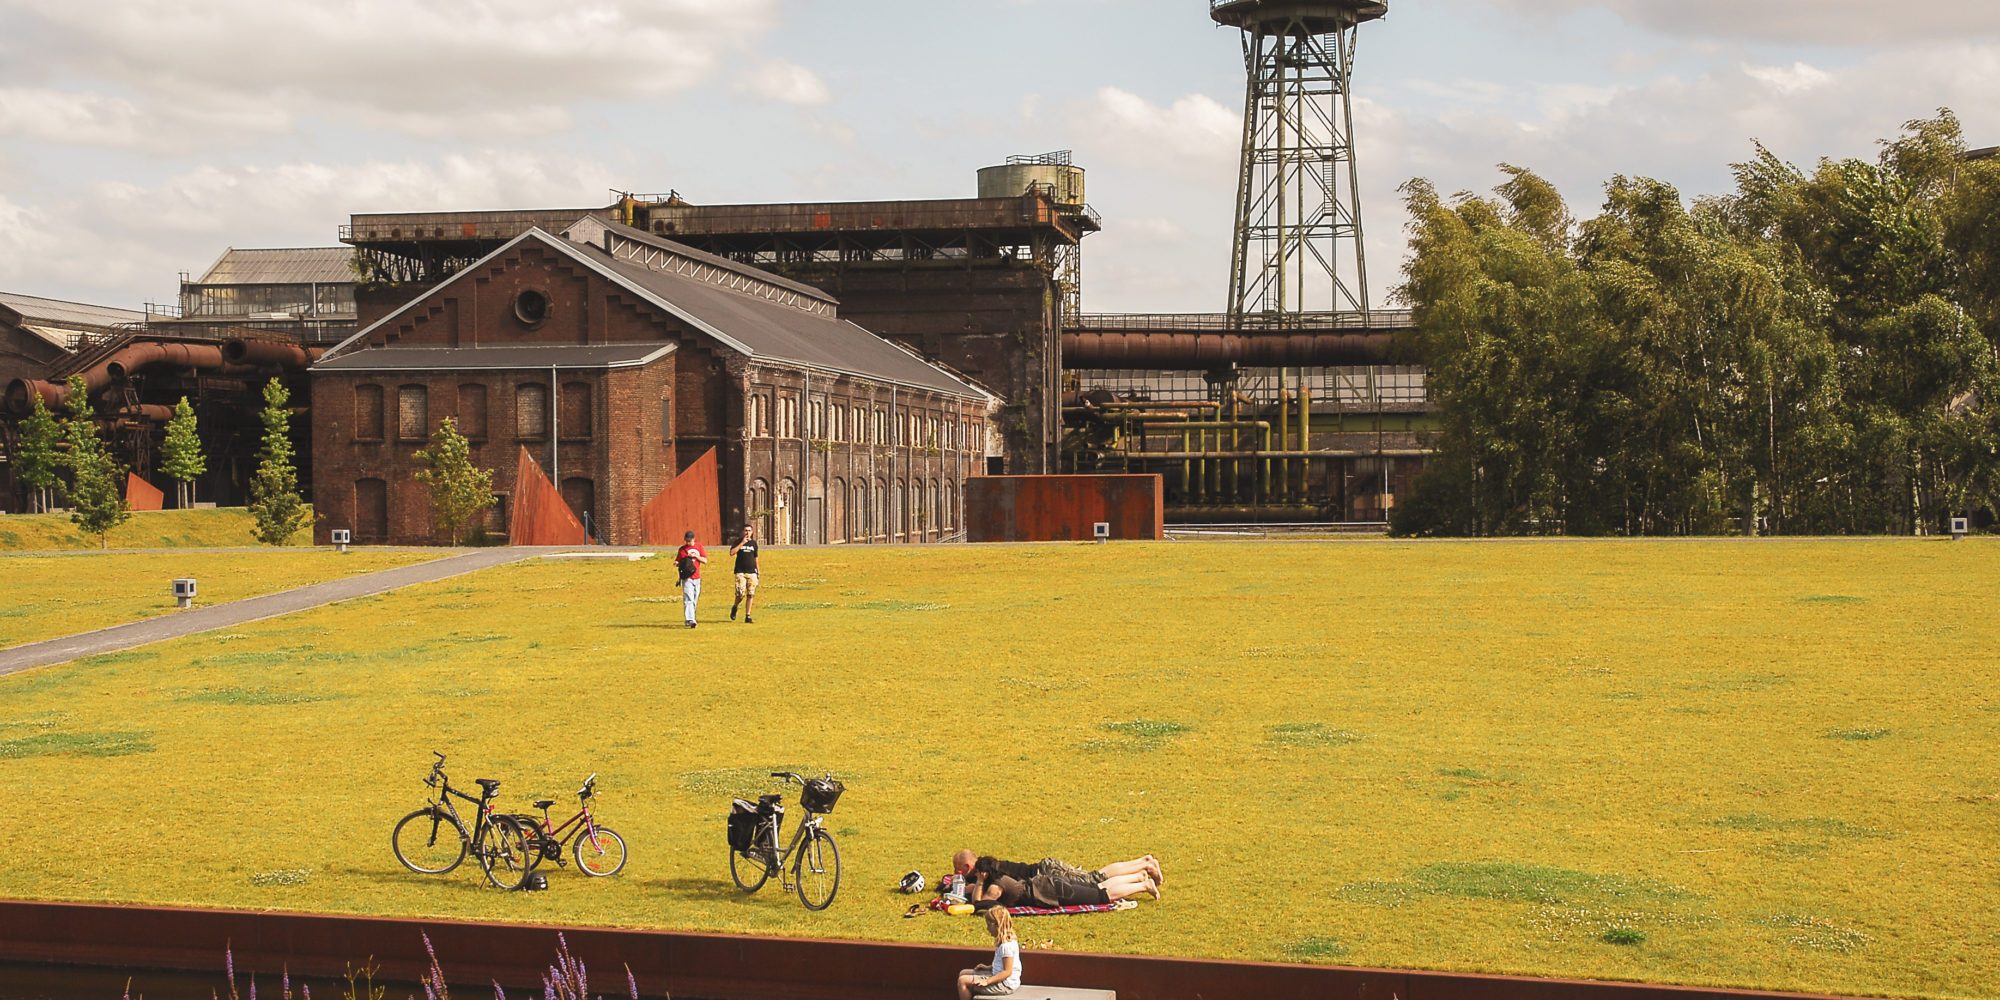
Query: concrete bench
[[1027, 992]]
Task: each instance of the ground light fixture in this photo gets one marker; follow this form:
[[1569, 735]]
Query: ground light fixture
[[1101, 531], [184, 593], [1960, 527], [341, 539]]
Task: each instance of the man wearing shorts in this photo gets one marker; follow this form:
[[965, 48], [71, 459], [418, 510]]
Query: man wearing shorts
[[745, 552]]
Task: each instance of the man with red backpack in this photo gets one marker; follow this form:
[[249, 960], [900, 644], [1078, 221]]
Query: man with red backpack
[[689, 560]]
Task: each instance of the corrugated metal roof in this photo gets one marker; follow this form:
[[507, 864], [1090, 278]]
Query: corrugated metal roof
[[521, 357], [56, 312], [747, 270], [282, 266]]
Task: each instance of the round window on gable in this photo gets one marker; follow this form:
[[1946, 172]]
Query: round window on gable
[[531, 307]]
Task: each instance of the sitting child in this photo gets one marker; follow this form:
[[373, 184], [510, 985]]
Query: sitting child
[[1004, 975]]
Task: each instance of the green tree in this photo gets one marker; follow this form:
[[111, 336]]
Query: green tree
[[460, 491], [96, 505], [274, 489], [180, 453], [40, 459]]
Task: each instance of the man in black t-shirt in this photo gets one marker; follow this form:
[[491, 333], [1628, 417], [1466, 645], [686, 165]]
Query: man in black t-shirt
[[745, 552]]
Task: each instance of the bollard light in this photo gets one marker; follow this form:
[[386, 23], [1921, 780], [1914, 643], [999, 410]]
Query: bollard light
[[184, 593], [1960, 527], [1101, 531], [341, 538]]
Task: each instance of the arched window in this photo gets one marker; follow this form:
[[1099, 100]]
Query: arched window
[[950, 521], [413, 413], [367, 413], [931, 506], [836, 511], [785, 512], [878, 511], [857, 514], [531, 411], [918, 522], [896, 521], [759, 503]]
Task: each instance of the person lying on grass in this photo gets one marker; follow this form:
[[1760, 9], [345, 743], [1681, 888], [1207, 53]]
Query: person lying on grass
[[1004, 975], [965, 862], [990, 888]]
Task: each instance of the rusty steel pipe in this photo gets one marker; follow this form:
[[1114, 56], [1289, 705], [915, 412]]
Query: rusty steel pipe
[[158, 413], [1188, 351], [243, 351], [120, 366]]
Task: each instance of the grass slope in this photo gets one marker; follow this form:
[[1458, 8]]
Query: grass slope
[[1758, 764], [50, 596], [158, 529]]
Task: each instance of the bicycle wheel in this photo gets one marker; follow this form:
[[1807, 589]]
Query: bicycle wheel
[[751, 872], [429, 842], [600, 857], [818, 871], [507, 854]]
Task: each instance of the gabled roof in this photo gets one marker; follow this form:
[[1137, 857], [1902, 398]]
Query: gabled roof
[[65, 323], [282, 266], [746, 324]]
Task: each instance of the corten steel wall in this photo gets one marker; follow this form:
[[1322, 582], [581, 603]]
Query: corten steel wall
[[142, 495], [689, 503], [1063, 508], [540, 515], [706, 966]]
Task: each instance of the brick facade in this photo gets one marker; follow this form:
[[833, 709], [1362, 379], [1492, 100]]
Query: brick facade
[[621, 434]]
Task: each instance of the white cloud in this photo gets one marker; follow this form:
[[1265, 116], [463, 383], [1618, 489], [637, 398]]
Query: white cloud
[[1196, 126], [120, 236], [1827, 21], [472, 67], [90, 119], [1794, 79], [788, 83]]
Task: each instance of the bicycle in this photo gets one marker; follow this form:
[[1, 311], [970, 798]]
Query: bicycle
[[755, 831], [433, 841], [599, 850]]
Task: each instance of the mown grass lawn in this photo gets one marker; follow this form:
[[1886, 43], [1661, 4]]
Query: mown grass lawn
[[1763, 764], [49, 596], [158, 529]]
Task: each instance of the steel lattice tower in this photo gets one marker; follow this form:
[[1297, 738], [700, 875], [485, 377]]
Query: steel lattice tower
[[1298, 204]]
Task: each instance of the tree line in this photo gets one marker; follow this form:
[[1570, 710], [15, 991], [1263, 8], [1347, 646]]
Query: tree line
[[1812, 353]]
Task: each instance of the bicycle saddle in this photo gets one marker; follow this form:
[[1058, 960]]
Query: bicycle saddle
[[489, 784], [544, 803], [770, 799]]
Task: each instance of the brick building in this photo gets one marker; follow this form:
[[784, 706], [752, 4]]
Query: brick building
[[618, 360]]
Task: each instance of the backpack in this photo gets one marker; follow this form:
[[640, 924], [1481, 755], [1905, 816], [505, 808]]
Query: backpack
[[687, 565]]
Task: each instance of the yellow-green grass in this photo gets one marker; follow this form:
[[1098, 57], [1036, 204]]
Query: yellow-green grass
[[49, 596], [1763, 764], [158, 529]]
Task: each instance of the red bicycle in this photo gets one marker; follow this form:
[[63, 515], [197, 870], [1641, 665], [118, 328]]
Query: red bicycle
[[599, 850]]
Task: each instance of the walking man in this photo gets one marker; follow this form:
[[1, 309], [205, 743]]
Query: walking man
[[745, 552], [690, 559]]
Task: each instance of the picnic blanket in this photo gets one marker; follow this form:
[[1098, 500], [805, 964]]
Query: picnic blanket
[[942, 906]]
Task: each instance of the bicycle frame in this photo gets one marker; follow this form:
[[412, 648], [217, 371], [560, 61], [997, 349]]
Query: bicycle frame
[[775, 825], [476, 836]]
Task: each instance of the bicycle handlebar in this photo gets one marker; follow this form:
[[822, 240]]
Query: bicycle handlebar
[[788, 776]]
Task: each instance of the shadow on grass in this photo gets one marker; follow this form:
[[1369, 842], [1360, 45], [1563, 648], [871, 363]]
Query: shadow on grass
[[715, 890]]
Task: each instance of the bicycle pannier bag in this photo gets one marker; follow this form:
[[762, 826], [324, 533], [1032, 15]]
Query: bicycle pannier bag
[[742, 825], [821, 793]]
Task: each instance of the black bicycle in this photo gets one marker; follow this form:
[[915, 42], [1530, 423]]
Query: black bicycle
[[433, 841], [755, 830]]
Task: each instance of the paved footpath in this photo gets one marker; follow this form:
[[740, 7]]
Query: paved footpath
[[173, 625]]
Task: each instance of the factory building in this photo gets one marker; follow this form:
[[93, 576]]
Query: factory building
[[621, 363], [301, 294]]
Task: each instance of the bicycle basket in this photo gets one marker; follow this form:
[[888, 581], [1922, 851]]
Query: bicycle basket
[[821, 793]]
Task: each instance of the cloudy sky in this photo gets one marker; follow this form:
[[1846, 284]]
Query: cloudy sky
[[140, 138]]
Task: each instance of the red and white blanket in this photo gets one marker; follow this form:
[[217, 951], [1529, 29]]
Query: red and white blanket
[[1051, 911]]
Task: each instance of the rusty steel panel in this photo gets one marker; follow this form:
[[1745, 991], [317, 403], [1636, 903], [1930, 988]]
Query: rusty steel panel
[[711, 966], [1064, 508]]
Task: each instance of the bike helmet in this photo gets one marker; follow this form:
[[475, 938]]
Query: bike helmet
[[912, 883]]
